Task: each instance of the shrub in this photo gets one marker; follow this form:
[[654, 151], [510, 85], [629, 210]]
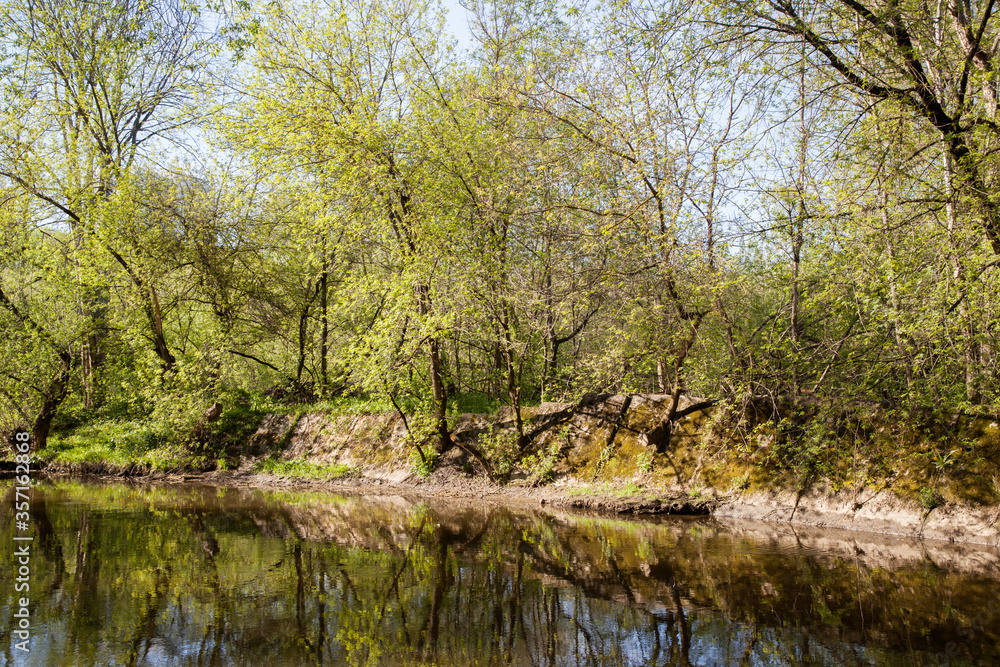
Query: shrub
[[541, 464], [931, 498], [501, 451], [423, 466]]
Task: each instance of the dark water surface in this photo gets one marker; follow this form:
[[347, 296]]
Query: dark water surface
[[136, 575]]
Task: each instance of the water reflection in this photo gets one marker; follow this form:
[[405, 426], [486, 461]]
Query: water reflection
[[126, 575]]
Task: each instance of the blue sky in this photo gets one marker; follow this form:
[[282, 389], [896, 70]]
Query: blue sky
[[457, 23]]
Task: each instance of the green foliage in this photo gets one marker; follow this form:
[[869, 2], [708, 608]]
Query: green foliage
[[606, 452], [423, 463], [179, 401], [742, 483], [421, 430], [126, 444], [305, 469], [228, 434], [930, 498], [501, 452], [944, 460], [644, 462], [540, 466], [129, 440]]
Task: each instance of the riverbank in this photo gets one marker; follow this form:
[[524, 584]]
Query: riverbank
[[864, 471], [886, 550], [882, 513]]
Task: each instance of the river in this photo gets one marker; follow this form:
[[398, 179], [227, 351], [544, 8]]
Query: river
[[125, 574]]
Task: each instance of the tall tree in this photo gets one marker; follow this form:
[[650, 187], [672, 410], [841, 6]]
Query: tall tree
[[94, 86], [938, 65], [333, 87]]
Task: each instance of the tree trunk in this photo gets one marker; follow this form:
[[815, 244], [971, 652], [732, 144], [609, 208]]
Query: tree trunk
[[678, 390], [154, 316], [439, 390], [324, 324], [966, 325], [661, 376], [303, 329], [53, 397], [440, 393]]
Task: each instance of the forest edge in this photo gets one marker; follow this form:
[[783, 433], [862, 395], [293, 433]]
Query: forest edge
[[933, 475]]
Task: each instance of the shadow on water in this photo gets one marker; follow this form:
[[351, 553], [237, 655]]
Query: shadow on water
[[126, 575]]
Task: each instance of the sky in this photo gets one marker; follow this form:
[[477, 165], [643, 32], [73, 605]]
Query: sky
[[457, 23]]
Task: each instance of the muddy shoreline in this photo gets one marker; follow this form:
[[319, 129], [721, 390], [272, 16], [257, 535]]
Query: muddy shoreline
[[609, 454], [881, 513], [577, 498]]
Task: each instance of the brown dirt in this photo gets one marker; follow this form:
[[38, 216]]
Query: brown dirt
[[599, 446], [871, 511]]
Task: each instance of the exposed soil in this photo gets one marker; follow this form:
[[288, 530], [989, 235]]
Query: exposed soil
[[610, 455]]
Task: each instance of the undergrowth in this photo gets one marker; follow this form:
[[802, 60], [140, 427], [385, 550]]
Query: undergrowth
[[307, 469], [910, 451]]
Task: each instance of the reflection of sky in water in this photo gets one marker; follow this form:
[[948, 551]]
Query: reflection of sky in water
[[198, 577]]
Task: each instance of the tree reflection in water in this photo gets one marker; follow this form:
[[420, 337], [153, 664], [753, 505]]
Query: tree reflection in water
[[204, 576]]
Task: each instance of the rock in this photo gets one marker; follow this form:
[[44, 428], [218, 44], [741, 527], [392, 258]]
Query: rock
[[213, 412]]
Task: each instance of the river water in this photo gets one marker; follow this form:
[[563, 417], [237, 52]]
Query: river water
[[191, 575]]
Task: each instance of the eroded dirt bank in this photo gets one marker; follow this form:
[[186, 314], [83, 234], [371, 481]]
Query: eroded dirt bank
[[622, 454], [878, 512]]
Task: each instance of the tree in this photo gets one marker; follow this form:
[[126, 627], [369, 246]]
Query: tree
[[92, 86], [939, 67], [330, 97], [644, 104]]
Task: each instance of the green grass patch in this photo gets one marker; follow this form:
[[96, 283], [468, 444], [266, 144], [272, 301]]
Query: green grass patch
[[627, 490], [122, 443], [473, 402], [305, 469]]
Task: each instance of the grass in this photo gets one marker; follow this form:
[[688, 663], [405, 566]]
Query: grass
[[608, 489], [123, 443], [475, 403], [305, 469]]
